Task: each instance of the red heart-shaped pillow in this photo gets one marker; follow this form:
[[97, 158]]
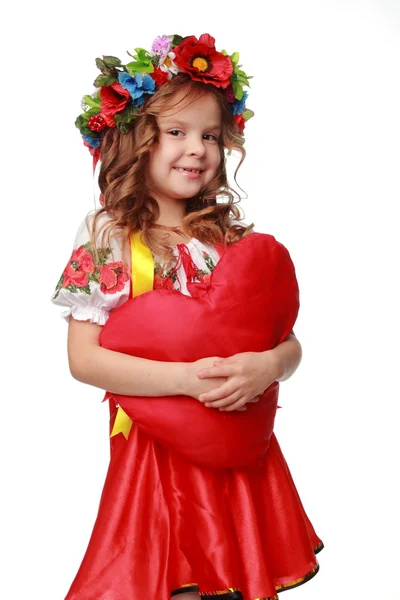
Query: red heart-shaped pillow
[[250, 304]]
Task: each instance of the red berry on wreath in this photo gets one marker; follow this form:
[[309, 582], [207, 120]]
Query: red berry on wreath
[[97, 123]]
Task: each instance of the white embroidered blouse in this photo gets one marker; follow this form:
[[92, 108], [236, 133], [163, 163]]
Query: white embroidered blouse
[[91, 285]]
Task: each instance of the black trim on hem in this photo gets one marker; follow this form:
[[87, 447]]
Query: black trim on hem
[[237, 594], [305, 579], [319, 548], [184, 590], [227, 596]]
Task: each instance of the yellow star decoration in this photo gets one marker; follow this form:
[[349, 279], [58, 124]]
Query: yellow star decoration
[[122, 424]]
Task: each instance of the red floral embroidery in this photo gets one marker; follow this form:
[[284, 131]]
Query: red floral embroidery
[[209, 262], [113, 277], [87, 267], [163, 283], [168, 280], [77, 270]]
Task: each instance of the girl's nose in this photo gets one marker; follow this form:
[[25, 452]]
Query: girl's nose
[[195, 146]]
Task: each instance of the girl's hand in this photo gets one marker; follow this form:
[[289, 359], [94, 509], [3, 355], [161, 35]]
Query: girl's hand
[[247, 374], [193, 386]]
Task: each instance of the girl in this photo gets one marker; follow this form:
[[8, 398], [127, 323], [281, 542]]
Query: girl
[[167, 524]]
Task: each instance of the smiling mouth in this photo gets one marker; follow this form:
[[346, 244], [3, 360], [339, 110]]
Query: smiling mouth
[[182, 170]]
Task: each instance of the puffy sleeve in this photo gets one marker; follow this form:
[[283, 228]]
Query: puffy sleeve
[[96, 280]]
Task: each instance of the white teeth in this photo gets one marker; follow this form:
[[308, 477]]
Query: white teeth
[[190, 170]]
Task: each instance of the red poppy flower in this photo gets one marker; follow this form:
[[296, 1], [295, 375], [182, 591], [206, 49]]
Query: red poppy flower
[[240, 122], [202, 62], [114, 98], [159, 76], [113, 277], [76, 272]]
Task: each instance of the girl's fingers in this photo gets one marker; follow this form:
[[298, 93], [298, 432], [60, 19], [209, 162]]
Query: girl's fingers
[[238, 405], [254, 400], [226, 389], [224, 370], [226, 400]]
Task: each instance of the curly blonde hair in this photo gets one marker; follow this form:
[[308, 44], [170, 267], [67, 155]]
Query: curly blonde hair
[[122, 178]]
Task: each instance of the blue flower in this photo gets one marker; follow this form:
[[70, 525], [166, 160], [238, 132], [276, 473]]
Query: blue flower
[[137, 86], [239, 106], [93, 142]]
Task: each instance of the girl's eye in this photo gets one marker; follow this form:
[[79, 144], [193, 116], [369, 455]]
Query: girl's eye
[[210, 137], [176, 132]]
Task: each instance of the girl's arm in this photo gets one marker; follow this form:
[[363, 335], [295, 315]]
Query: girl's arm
[[134, 376], [129, 375], [249, 374], [287, 357]]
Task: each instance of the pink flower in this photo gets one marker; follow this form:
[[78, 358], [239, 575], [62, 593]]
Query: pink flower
[[161, 45]]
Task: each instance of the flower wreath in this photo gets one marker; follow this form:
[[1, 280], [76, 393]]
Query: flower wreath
[[124, 88]]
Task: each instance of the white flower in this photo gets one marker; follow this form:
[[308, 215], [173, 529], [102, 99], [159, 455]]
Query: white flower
[[168, 65]]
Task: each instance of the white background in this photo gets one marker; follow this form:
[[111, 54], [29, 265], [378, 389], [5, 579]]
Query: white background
[[322, 175]]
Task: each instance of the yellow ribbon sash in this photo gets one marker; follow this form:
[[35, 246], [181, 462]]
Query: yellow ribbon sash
[[142, 269]]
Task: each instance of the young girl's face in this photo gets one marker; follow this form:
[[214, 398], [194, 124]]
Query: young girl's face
[[187, 155]]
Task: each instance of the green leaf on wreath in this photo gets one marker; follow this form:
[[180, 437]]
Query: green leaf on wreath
[[110, 72], [142, 55], [92, 112], [112, 61], [142, 62], [140, 67], [235, 58], [81, 124], [237, 90], [124, 127], [81, 120], [90, 101], [176, 40], [248, 114], [103, 80], [126, 115], [100, 64]]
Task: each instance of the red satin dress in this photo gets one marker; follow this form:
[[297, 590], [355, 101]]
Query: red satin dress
[[167, 525]]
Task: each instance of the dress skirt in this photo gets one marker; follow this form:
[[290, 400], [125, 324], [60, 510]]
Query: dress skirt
[[167, 526]]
